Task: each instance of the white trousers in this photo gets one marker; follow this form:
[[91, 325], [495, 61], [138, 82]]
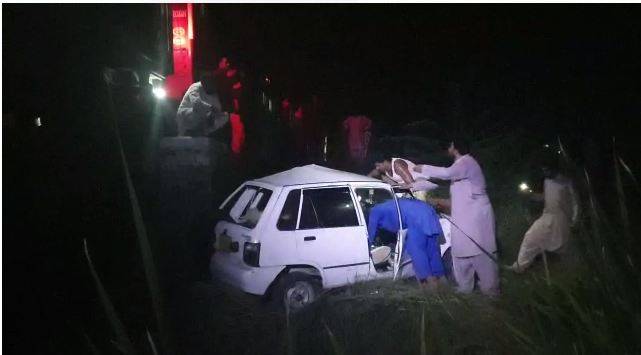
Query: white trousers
[[487, 271]]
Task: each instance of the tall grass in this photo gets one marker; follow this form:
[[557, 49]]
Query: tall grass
[[123, 343]]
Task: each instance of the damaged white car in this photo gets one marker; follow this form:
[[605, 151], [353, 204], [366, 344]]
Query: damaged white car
[[294, 233]]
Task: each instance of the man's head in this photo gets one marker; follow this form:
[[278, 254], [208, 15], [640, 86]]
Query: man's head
[[384, 166], [458, 147], [550, 166], [223, 63], [207, 81]]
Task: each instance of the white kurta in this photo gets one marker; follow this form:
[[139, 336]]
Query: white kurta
[[198, 108], [471, 208], [551, 231]]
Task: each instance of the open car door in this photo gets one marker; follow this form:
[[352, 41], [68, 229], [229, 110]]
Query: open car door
[[400, 241]]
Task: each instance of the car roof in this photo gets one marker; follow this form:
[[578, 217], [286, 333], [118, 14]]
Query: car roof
[[313, 174]]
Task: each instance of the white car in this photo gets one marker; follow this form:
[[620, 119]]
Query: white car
[[294, 233]]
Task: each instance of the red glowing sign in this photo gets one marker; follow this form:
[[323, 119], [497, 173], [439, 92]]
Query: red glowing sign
[[182, 36]]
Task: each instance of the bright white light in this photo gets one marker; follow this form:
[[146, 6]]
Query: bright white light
[[37, 122], [546, 145], [524, 187], [160, 93]]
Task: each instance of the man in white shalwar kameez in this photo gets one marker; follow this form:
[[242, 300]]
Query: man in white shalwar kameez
[[199, 113], [473, 229], [551, 231]]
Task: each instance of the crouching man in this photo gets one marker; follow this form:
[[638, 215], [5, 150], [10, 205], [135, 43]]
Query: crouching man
[[423, 232], [199, 113]]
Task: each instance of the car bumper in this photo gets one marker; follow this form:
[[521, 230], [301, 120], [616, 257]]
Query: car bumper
[[254, 280]]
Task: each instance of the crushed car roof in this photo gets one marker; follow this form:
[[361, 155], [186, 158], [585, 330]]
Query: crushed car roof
[[313, 174]]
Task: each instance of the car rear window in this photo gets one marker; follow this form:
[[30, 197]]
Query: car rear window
[[247, 205]]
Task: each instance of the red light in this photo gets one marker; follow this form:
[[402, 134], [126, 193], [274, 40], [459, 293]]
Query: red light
[[190, 21], [182, 32]]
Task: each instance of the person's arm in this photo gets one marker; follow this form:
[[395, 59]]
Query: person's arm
[[219, 119], [423, 185], [456, 171], [443, 205], [374, 173], [388, 179], [378, 175]]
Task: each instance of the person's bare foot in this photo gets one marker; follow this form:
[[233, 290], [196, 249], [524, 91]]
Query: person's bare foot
[[515, 268]]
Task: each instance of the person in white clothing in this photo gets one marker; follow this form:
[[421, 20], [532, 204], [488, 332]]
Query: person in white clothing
[[397, 171], [551, 231], [199, 113], [473, 229]]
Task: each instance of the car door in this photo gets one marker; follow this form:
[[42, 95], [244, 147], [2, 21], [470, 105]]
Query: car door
[[369, 196], [331, 236]]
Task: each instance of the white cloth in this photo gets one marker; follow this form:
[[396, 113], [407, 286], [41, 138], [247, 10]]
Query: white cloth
[[197, 109], [551, 231], [420, 181], [472, 212], [481, 265]]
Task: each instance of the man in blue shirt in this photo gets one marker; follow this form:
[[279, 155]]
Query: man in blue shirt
[[423, 232]]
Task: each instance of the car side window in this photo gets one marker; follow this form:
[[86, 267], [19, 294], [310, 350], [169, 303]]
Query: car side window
[[369, 197], [327, 208], [289, 213]]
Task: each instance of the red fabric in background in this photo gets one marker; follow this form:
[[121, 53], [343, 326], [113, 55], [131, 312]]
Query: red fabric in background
[[358, 130], [237, 133]]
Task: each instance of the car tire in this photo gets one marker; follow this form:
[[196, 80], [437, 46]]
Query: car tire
[[296, 290]]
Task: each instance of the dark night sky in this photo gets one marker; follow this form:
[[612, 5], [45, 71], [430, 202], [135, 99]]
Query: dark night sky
[[401, 59], [394, 62]]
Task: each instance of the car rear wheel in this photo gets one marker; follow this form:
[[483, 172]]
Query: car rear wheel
[[297, 290]]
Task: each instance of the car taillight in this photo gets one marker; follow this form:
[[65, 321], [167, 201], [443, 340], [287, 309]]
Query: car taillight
[[251, 253]]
